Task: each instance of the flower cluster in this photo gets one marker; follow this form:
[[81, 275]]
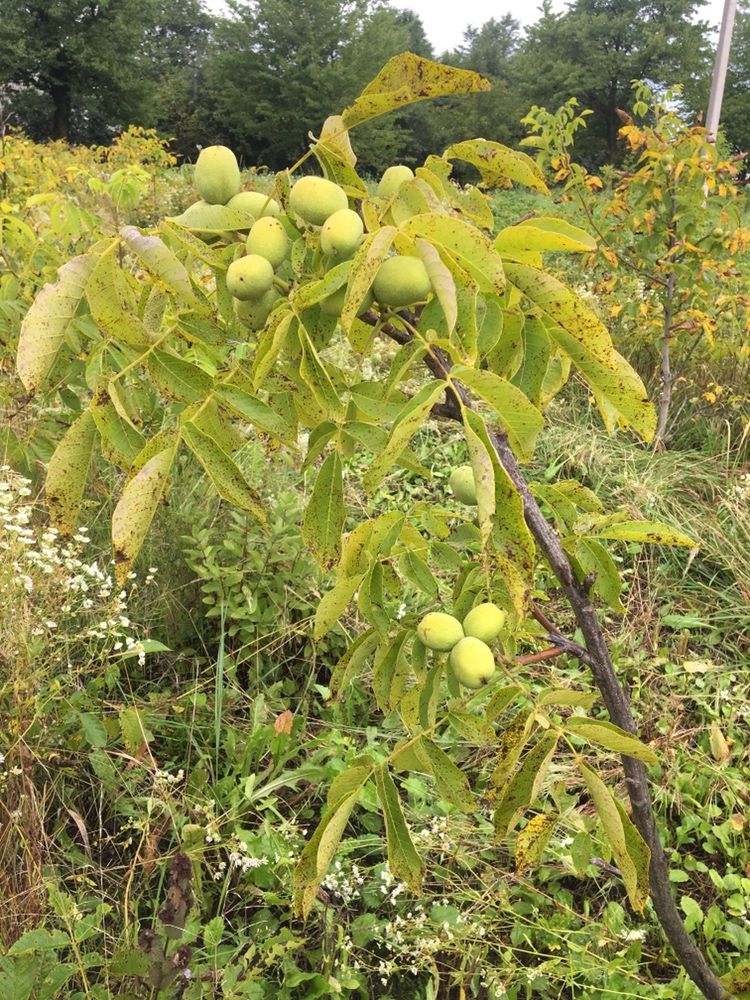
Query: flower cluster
[[346, 884], [55, 593]]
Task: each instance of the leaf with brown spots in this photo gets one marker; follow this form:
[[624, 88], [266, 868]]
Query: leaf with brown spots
[[465, 244], [48, 319], [67, 472], [406, 79], [584, 338], [136, 508], [497, 163]]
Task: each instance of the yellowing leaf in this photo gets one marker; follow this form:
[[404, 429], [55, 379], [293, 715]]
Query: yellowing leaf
[[463, 242], [46, 323], [406, 79], [67, 472], [136, 507], [497, 163]]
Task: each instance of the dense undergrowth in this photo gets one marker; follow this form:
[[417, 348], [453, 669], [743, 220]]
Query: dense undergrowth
[[189, 715]]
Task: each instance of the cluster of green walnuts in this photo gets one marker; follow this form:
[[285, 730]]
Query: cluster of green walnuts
[[471, 658], [254, 279], [468, 642]]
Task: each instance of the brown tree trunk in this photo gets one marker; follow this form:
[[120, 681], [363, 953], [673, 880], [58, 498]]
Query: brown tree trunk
[[62, 107]]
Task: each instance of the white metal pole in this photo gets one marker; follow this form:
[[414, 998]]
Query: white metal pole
[[720, 69]]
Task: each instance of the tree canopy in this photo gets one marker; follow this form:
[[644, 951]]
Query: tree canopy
[[260, 75]]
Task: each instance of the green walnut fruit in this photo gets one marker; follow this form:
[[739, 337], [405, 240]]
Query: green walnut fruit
[[333, 305], [254, 312], [484, 622], [315, 199], [392, 180], [462, 485], [472, 662], [217, 175], [249, 277], [341, 234], [255, 203], [440, 631], [268, 238], [401, 281]]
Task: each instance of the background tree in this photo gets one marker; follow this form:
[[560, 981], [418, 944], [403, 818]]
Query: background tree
[[81, 64], [176, 49], [278, 66], [597, 47]]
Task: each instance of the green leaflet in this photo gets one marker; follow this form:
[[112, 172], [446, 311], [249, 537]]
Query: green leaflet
[[316, 377], [214, 219], [523, 787], [567, 696], [46, 324], [403, 860], [451, 782], [161, 263], [175, 230], [224, 473], [501, 698], [320, 849], [103, 292], [464, 243], [416, 571], [518, 417], [118, 436], [628, 847], [537, 351], [334, 602], [408, 422], [324, 517], [606, 734], [473, 729], [178, 379], [483, 468], [594, 560], [390, 672], [133, 730], [585, 339], [335, 154], [260, 414], [68, 470], [353, 661], [497, 163], [136, 507], [270, 344], [406, 79], [315, 291], [514, 547], [360, 549]]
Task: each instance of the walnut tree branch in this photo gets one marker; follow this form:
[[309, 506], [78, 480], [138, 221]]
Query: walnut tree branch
[[595, 654]]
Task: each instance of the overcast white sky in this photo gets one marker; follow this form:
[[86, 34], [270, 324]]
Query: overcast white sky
[[446, 20]]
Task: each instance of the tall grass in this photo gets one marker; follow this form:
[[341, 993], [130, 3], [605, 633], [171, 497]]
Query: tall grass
[[705, 495]]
